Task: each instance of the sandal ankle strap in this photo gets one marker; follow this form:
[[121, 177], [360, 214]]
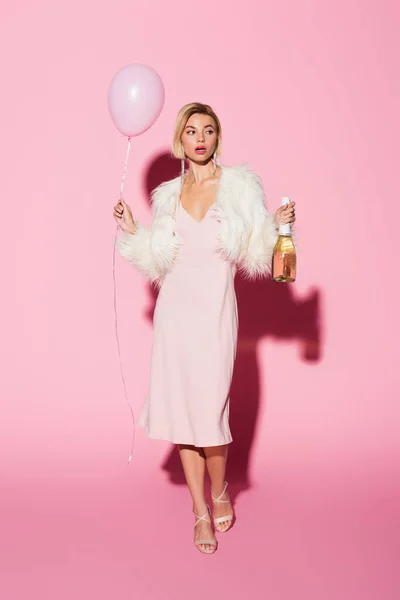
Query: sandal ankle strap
[[203, 517], [223, 492]]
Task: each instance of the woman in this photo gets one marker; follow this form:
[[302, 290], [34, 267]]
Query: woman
[[207, 224]]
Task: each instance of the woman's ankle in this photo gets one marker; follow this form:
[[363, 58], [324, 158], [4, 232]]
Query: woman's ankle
[[218, 489], [200, 508]]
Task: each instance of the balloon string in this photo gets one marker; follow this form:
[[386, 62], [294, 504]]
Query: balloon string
[[115, 308], [126, 163]]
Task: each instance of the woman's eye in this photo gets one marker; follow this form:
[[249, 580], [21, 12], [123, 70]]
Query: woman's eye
[[210, 131]]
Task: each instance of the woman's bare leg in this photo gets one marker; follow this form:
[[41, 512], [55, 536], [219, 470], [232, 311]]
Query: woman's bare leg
[[194, 466], [216, 458]]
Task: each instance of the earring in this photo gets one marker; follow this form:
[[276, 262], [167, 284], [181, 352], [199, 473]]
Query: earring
[[215, 162], [182, 166], [182, 170]]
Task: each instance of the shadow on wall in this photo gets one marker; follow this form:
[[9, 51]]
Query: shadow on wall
[[266, 308]]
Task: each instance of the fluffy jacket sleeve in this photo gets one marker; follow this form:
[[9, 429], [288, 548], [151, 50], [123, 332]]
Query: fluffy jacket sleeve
[[248, 234], [151, 250], [257, 259]]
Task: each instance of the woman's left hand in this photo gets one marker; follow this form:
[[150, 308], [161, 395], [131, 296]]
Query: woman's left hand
[[285, 214]]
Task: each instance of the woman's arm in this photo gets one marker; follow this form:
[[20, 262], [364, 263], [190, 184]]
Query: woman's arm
[[264, 231], [136, 249], [263, 234], [151, 250]]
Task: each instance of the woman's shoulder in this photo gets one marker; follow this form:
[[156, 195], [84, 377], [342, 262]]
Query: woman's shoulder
[[242, 178], [241, 172], [242, 190], [163, 196], [166, 186]]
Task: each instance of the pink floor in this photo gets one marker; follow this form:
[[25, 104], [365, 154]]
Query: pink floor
[[326, 537]]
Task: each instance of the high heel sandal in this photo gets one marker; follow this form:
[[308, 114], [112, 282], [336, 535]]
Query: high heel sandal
[[225, 518], [210, 542]]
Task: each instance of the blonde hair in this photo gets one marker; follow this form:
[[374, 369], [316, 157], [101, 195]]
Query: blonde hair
[[183, 116]]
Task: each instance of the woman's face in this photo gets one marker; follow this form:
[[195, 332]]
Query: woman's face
[[199, 138]]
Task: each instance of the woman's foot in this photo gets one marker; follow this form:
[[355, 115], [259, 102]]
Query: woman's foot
[[204, 537], [222, 510]]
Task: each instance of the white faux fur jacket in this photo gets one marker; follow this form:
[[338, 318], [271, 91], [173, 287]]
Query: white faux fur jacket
[[246, 236]]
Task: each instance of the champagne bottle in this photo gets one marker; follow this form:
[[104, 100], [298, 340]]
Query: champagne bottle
[[284, 255]]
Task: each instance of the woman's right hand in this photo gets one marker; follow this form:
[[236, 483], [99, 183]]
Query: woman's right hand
[[123, 216]]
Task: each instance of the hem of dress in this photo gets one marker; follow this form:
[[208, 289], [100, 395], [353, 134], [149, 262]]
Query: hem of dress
[[180, 441]]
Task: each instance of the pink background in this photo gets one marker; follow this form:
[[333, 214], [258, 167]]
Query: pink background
[[308, 95]]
